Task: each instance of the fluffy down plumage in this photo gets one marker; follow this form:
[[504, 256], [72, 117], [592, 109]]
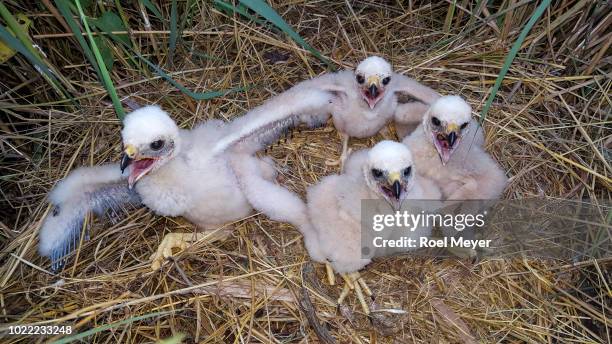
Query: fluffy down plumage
[[334, 205], [364, 100], [330, 218], [101, 189], [171, 171], [464, 170]]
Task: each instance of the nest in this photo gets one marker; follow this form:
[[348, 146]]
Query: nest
[[548, 127]]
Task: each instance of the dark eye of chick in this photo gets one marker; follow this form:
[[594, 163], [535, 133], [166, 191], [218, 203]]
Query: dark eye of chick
[[435, 121], [386, 80], [464, 125], [360, 79], [377, 173], [407, 171], [157, 145]]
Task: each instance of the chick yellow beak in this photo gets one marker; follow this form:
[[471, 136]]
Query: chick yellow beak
[[373, 85], [128, 155], [452, 133], [446, 142], [452, 127], [395, 183], [373, 80], [372, 92]]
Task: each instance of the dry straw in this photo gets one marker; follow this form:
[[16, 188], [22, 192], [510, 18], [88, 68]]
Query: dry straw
[[549, 127]]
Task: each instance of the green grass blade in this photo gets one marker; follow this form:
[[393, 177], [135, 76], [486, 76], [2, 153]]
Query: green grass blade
[[64, 8], [122, 16], [105, 52], [195, 95], [38, 64], [109, 22], [173, 31], [263, 9], [153, 8], [19, 33], [108, 83], [98, 329], [187, 17], [475, 12], [16, 45], [511, 55], [230, 8], [202, 55], [23, 44], [449, 16]]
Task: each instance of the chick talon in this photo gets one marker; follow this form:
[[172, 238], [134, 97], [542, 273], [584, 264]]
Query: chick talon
[[181, 241], [164, 250]]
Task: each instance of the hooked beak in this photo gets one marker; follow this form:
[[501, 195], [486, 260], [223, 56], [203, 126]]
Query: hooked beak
[[373, 90], [372, 94], [451, 138], [396, 187], [447, 142], [125, 161], [128, 155], [140, 166]]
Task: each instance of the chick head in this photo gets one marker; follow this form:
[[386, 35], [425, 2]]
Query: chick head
[[446, 123], [372, 77], [150, 140], [389, 172]]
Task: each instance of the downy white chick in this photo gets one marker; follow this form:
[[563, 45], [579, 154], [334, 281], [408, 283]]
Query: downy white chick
[[447, 152], [366, 99], [330, 219], [173, 172]]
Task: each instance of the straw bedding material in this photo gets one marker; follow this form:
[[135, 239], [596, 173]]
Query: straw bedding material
[[549, 128]]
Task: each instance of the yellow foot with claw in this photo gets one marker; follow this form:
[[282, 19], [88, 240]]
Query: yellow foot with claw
[[181, 241], [354, 281], [164, 250]]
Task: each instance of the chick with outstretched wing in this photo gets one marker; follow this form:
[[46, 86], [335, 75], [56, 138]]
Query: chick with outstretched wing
[[173, 172], [102, 190], [364, 100]]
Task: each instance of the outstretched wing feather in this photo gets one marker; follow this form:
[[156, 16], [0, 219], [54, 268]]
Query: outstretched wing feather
[[61, 230], [267, 122], [409, 90]]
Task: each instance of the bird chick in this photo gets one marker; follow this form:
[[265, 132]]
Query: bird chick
[[171, 171], [330, 219], [365, 99], [447, 152], [386, 171]]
